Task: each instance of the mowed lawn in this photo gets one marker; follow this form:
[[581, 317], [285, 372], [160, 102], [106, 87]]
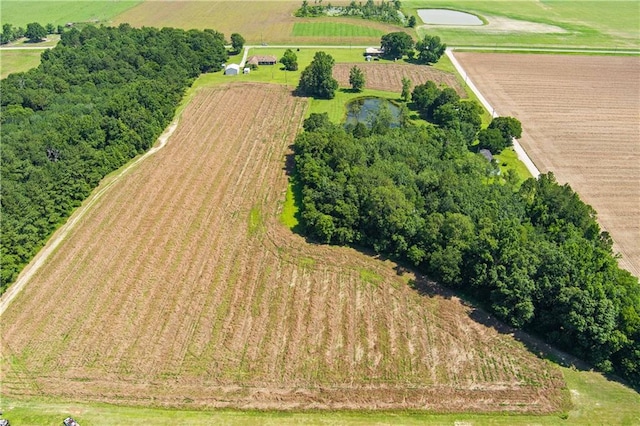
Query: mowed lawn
[[12, 61], [20, 13], [585, 24]]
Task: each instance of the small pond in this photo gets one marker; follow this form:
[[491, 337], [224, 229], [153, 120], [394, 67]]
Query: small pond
[[448, 17], [365, 110]]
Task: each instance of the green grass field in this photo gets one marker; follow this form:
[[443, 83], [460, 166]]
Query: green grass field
[[333, 29], [587, 24], [20, 13], [596, 401], [12, 61]]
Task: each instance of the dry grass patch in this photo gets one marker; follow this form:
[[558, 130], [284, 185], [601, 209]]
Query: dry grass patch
[[580, 120], [181, 288]]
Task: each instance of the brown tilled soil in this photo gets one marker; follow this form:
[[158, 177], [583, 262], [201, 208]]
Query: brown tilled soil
[[258, 21], [580, 120], [181, 288], [386, 76]]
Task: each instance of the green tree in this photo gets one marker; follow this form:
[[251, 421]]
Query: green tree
[[492, 140], [316, 121], [35, 32], [510, 128], [237, 42], [317, 80], [412, 21], [50, 28], [424, 95], [430, 49], [396, 44], [289, 60], [406, 89], [356, 79]]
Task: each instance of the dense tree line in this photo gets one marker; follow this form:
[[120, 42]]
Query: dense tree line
[[34, 32], [398, 44], [385, 11], [99, 98], [532, 254]]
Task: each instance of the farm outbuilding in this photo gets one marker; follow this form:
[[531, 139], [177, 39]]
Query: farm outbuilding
[[374, 52], [232, 69], [486, 154], [262, 60]]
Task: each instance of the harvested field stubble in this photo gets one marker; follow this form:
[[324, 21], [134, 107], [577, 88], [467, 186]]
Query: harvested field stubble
[[388, 76], [181, 288], [579, 117]]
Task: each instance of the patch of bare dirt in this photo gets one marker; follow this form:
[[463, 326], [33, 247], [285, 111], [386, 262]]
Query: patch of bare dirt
[[386, 76]]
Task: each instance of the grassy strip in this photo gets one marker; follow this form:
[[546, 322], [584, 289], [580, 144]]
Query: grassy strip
[[290, 209], [596, 400], [333, 29]]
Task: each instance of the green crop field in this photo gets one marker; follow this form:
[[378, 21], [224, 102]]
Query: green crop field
[[20, 13], [563, 23], [333, 29], [12, 61]]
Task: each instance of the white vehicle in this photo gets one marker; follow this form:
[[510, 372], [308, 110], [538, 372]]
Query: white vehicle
[[70, 422]]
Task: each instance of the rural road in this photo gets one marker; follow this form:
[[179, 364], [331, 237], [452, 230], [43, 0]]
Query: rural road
[[522, 154], [61, 233]]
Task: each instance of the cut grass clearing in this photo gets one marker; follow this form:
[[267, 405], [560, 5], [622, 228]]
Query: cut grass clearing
[[13, 61]]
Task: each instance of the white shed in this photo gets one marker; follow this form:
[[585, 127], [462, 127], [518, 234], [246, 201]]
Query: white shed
[[247, 70], [232, 69]]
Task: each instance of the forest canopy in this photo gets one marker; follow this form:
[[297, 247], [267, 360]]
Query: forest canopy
[[99, 98], [534, 255]]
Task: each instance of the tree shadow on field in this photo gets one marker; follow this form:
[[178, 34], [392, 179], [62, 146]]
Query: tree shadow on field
[[540, 348], [428, 287]]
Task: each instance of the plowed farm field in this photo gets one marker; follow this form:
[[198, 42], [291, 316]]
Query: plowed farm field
[[385, 76], [581, 120], [181, 288]]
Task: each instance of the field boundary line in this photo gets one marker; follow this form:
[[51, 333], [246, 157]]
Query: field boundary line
[[41, 257], [520, 152]]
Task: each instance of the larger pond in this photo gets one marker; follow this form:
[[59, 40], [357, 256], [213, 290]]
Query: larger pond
[[448, 17], [368, 110]]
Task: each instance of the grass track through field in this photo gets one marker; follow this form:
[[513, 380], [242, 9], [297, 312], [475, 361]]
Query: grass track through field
[[205, 310]]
